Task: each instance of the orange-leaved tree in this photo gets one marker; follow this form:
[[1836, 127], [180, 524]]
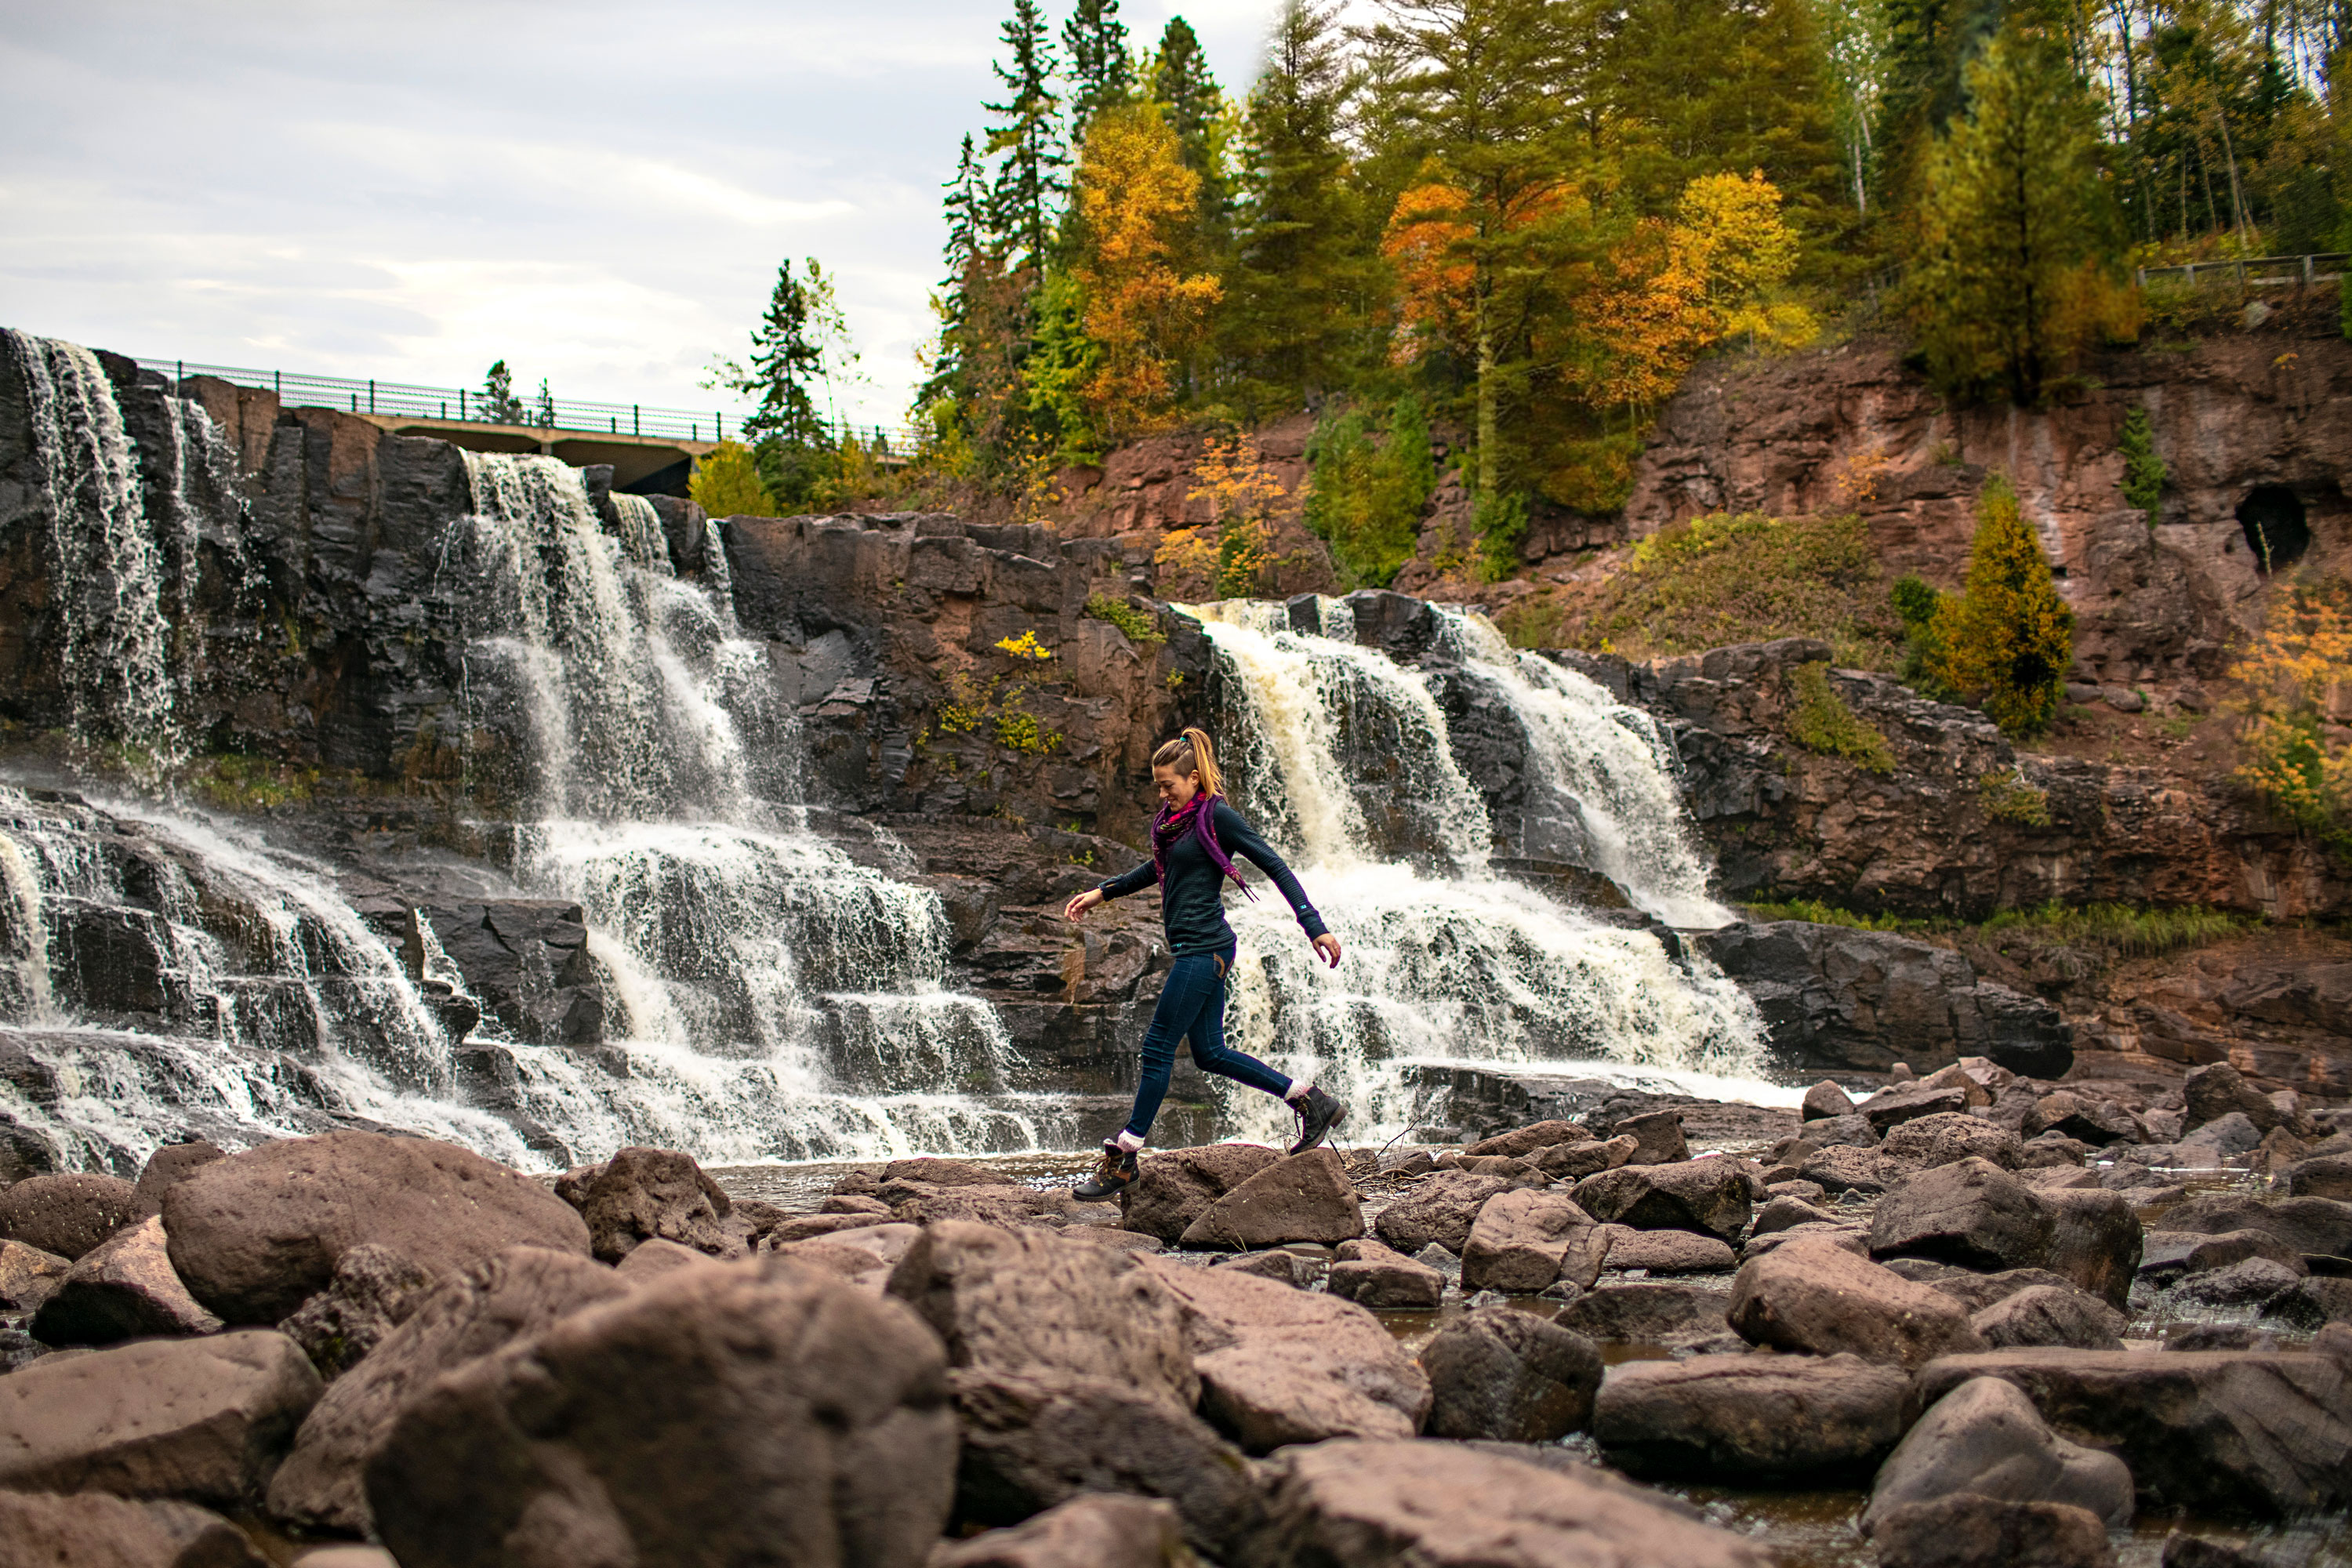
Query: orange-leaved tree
[[1427, 243]]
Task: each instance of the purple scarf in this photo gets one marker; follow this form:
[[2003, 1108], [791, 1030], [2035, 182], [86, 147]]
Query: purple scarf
[[1197, 816]]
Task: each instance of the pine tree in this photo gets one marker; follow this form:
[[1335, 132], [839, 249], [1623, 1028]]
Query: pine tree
[[2009, 639], [542, 412], [1930, 45], [1029, 182], [802, 339], [1102, 69], [2143, 469], [1184, 88], [499, 406], [966, 208]]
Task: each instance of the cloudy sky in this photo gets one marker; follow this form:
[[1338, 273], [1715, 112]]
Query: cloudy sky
[[597, 192]]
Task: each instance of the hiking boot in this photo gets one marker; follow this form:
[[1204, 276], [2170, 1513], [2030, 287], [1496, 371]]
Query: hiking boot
[[1317, 1114], [1110, 1178]]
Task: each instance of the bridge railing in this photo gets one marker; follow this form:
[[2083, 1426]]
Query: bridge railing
[[2256, 271]]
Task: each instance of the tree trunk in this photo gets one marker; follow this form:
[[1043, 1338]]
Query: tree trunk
[[1489, 392]]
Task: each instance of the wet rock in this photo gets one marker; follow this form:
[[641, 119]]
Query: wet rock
[[1824, 1100], [123, 1289], [28, 1276], [1751, 1419], [93, 1531], [725, 1414], [1030, 1443], [2049, 1315], [466, 1315], [1574, 1161], [640, 1193], [1648, 1312], [1657, 1138], [1985, 1437], [1525, 1240], [528, 959], [201, 1419], [2095, 1242], [2246, 1283], [1440, 1209], [2218, 1089], [1371, 1275], [1511, 1376], [1171, 1190], [2182, 1551], [1306, 1197], [1946, 1137], [1971, 1213], [2311, 1303], [2321, 1226], [2075, 1116], [1277, 1365], [1966, 1530], [167, 1165], [1522, 1142], [1710, 1197], [2330, 1177], [1667, 1251], [1845, 1169], [1094, 1532], [1443, 1505], [2228, 1431], [258, 1233], [1892, 1107], [69, 1214], [1819, 1299], [1024, 1302]]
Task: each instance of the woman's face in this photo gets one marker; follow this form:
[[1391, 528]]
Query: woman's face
[[1175, 789]]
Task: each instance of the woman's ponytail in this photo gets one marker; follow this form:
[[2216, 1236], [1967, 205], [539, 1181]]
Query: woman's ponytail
[[1192, 752]]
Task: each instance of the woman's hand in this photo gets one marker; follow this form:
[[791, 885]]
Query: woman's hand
[[1329, 946], [1077, 907]]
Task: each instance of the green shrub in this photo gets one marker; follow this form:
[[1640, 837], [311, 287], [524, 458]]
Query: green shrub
[[2143, 469], [1594, 477], [1821, 722], [1816, 912], [2007, 641], [1365, 496], [1714, 581], [1916, 603], [1138, 628], [1501, 524], [2009, 797]]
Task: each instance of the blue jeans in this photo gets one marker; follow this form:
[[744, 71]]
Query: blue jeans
[[1193, 1005]]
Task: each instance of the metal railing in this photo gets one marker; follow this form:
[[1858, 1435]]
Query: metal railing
[[2256, 271]]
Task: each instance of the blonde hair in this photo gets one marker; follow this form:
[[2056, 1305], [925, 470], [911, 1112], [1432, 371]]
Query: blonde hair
[[1190, 752]]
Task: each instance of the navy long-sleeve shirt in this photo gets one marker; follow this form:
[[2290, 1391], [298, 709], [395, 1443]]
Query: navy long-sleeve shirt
[[1192, 904]]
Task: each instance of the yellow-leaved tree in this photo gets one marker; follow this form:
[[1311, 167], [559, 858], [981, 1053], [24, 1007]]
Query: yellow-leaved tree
[[2293, 683], [2007, 641], [1138, 209], [726, 483]]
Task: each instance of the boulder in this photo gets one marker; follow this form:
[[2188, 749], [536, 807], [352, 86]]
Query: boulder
[[2248, 1282], [1893, 1105], [1751, 1420], [2311, 1303], [1371, 1275], [1824, 1100], [1521, 1142], [122, 1289], [1574, 1161], [1023, 1301], [2218, 1431], [1973, 1291], [932, 1171], [1985, 1437], [1499, 1374], [91, 1530], [257, 1234], [1306, 1197], [726, 1413], [203, 1419], [1818, 1299], [1966, 1530], [1525, 1240], [2097, 1122], [69, 1214], [2312, 1226], [1657, 1138], [1850, 1131], [1031, 1442], [1171, 1190], [1710, 1197], [2095, 1241], [28, 1276], [165, 1166], [1445, 1505], [640, 1194], [2217, 1090], [1945, 1137], [1277, 1365], [1971, 1213], [1288, 1268], [1440, 1209], [468, 1315], [1648, 1313], [1846, 1169], [1095, 1532], [1666, 1251], [2327, 1177], [1847, 1237], [1780, 1214], [2049, 1315], [375, 1290]]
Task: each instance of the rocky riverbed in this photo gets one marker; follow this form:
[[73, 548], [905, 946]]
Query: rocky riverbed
[[1973, 1319]]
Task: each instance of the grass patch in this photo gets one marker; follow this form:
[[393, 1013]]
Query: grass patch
[[2123, 931], [234, 782], [2007, 797], [1815, 912], [1138, 628], [1714, 581], [1821, 723]]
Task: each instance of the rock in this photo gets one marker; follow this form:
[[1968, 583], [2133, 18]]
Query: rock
[[70, 1213], [346, 1557], [123, 1289], [1171, 1189], [255, 1234], [1824, 1100], [203, 1419], [2049, 1315], [1525, 1240], [1845, 1169], [1985, 1437], [1819, 1299], [375, 1290], [1971, 1212], [28, 1276], [1904, 1103], [2217, 1090], [167, 1165], [1666, 1251], [1029, 1443], [2329, 1177], [1850, 1239], [934, 1172], [1853, 1132], [1783, 1212], [1514, 1173], [93, 1531], [648, 1259], [1710, 1197], [1306, 1197], [640, 1193], [1443, 1505], [2197, 1552], [2095, 1242], [1095, 1532], [1646, 1312], [1277, 1365], [1657, 1138], [2312, 1226], [1440, 1209], [2075, 1116], [2312, 1303], [733, 1413], [466, 1315], [1973, 1291], [1285, 1267], [1947, 1136], [1751, 1420], [1371, 1275], [2227, 1431], [1966, 1530], [1496, 1372], [1023, 1302], [2248, 1282], [1574, 1161], [1524, 1140]]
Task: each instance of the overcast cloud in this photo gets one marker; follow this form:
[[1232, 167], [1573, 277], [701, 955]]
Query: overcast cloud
[[597, 192]]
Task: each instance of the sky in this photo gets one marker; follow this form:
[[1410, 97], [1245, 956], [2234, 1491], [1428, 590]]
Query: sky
[[597, 194]]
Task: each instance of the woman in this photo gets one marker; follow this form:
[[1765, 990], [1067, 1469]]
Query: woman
[[1190, 863]]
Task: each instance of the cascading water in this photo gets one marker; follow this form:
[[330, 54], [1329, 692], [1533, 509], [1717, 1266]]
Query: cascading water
[[1447, 963]]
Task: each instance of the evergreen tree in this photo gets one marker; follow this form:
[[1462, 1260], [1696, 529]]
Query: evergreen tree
[[1184, 88], [968, 239], [1027, 137], [2008, 639], [499, 406], [1102, 69], [802, 339], [1929, 46], [543, 412], [2143, 469]]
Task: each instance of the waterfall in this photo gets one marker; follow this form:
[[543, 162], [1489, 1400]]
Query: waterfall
[[1445, 962]]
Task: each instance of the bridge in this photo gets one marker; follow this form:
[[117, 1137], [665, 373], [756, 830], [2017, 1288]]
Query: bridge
[[652, 450]]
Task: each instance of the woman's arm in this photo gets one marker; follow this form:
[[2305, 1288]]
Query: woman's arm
[[1240, 840], [1132, 881]]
